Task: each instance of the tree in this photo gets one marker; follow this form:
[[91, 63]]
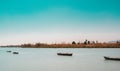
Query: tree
[[93, 42], [96, 41], [78, 43], [27, 45], [73, 42], [88, 42], [38, 44], [85, 42], [117, 41]]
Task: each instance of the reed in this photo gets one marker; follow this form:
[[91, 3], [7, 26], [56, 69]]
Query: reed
[[82, 45]]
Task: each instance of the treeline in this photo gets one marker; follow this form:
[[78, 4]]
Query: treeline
[[73, 44]]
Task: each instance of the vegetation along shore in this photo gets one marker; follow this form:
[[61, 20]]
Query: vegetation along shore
[[85, 44]]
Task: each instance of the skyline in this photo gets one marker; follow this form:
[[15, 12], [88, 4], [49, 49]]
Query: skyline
[[49, 21]]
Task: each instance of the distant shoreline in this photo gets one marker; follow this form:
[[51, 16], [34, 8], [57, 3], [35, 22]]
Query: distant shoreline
[[39, 45]]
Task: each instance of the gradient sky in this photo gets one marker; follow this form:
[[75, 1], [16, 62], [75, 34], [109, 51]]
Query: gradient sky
[[50, 21]]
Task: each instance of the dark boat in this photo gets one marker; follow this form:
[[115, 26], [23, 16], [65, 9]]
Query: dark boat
[[15, 53], [65, 54], [111, 58], [9, 51]]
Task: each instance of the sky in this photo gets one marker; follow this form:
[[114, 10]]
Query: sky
[[58, 21]]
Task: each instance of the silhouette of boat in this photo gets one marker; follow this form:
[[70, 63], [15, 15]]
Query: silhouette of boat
[[15, 53], [65, 54], [9, 51], [111, 58]]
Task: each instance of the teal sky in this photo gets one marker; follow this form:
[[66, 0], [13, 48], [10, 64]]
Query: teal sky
[[50, 21]]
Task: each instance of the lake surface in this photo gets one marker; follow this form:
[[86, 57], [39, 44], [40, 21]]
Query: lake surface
[[46, 59]]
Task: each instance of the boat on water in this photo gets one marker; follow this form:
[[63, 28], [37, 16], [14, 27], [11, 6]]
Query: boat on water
[[9, 51], [15, 53], [111, 58], [65, 54]]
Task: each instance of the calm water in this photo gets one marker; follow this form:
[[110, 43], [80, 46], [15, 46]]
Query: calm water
[[46, 59]]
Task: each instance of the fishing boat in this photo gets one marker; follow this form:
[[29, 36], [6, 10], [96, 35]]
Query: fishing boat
[[111, 58], [65, 54], [15, 53], [9, 51]]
